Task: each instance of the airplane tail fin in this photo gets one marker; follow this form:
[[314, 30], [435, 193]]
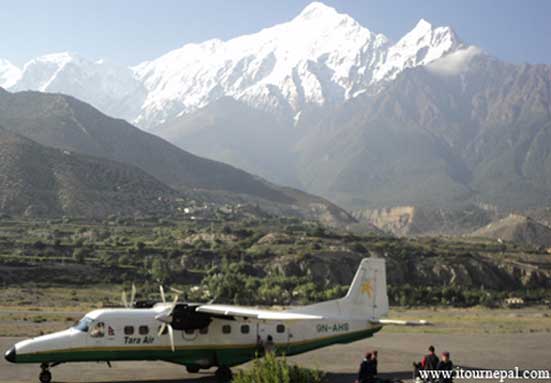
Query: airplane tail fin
[[366, 298], [367, 295]]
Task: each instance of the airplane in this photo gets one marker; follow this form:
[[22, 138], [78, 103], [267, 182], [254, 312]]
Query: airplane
[[202, 336]]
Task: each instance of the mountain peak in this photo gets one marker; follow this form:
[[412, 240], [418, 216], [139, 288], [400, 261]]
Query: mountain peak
[[422, 45], [52, 60], [323, 16], [58, 58], [423, 25], [316, 9], [425, 30]]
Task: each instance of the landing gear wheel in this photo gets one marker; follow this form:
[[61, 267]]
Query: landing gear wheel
[[223, 374], [45, 376], [192, 369]]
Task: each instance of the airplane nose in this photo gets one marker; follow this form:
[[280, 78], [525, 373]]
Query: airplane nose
[[10, 355]]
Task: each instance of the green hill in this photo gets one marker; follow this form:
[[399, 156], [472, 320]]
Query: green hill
[[36, 180], [65, 123]]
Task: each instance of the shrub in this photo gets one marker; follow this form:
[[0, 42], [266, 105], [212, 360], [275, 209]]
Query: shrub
[[79, 255], [276, 370]]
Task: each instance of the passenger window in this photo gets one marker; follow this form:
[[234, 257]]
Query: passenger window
[[280, 328], [190, 331], [98, 330], [226, 329], [143, 330], [204, 331], [245, 329], [129, 330]]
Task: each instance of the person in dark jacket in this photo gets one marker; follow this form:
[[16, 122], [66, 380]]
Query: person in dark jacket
[[445, 364], [374, 355], [430, 361], [365, 375]]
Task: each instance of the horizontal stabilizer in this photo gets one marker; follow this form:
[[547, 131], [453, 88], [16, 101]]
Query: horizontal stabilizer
[[396, 322]]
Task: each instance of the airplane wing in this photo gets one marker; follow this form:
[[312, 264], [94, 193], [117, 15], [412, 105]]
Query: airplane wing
[[397, 322], [246, 312]]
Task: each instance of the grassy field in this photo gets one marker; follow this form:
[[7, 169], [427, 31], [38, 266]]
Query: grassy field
[[475, 320]]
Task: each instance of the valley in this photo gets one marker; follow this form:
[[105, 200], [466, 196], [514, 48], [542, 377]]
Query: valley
[[259, 166], [286, 260]]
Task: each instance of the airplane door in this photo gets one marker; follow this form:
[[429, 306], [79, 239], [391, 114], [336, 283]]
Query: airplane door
[[274, 336]]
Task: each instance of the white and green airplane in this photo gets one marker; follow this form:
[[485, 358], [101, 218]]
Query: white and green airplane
[[201, 336]]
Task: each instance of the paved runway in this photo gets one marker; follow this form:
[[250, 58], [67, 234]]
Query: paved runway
[[396, 353]]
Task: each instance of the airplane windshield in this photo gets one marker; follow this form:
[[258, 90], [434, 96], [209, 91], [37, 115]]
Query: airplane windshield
[[83, 324]]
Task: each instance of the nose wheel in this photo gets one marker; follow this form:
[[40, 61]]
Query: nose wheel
[[45, 375]]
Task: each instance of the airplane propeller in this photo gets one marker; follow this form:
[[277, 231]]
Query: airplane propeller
[[126, 303], [166, 317]]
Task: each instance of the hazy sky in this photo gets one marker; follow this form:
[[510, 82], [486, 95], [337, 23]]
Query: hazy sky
[[131, 31]]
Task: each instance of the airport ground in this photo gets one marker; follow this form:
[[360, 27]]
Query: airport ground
[[476, 337]]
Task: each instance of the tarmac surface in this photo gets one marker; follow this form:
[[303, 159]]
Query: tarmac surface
[[396, 354]]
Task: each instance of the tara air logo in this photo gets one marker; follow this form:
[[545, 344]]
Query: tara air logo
[[367, 288]]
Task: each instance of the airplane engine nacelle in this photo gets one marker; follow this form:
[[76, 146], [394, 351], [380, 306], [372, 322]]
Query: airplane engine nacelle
[[184, 317]]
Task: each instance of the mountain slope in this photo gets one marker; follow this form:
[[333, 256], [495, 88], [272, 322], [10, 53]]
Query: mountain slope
[[66, 123], [231, 131], [36, 180], [63, 122], [517, 228], [440, 135], [413, 220]]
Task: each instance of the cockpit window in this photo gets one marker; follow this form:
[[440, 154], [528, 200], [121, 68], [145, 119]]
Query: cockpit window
[[83, 325], [98, 330]]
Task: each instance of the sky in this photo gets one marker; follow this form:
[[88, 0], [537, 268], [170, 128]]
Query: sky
[[131, 31]]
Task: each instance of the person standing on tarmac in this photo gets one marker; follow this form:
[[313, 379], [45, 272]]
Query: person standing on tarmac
[[445, 364], [365, 375]]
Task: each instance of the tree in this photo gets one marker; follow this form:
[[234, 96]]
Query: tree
[[79, 255], [160, 270]]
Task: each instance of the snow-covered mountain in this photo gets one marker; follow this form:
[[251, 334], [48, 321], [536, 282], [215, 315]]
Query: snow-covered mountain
[[9, 74], [321, 57], [111, 88]]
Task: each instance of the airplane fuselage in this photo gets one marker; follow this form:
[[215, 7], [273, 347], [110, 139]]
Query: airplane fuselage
[[132, 334]]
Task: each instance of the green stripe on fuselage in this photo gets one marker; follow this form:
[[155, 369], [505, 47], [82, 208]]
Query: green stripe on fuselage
[[214, 355]]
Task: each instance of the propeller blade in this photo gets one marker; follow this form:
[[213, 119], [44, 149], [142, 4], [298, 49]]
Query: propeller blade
[[124, 300], [174, 302], [162, 329], [133, 294], [171, 334], [179, 292], [162, 293]]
